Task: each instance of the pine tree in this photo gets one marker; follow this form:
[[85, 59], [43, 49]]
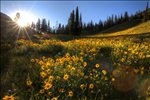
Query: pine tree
[[77, 22], [80, 25], [112, 20], [146, 15], [91, 26], [62, 29], [44, 25], [116, 19], [59, 29], [33, 25], [38, 25], [74, 25], [71, 23], [100, 25], [48, 27], [126, 17]]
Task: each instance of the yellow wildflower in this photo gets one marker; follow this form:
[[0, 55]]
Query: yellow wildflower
[[43, 74], [66, 77], [41, 62], [49, 93], [5, 97], [82, 53], [55, 98], [70, 94], [82, 86], [42, 91], [11, 98], [32, 60], [29, 82], [73, 68], [93, 50], [47, 64], [122, 59], [91, 86], [61, 90], [97, 65], [48, 86], [8, 97], [113, 79], [104, 72], [67, 55], [51, 78], [84, 64], [43, 67], [69, 67], [125, 52]]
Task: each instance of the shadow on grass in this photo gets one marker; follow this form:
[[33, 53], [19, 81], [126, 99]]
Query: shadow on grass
[[66, 38]]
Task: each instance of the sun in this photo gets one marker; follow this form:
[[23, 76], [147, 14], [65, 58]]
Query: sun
[[25, 19], [22, 23]]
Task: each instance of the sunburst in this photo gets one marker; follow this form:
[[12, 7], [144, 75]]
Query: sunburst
[[22, 19], [25, 18]]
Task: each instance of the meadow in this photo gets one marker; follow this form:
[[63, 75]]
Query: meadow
[[107, 68]]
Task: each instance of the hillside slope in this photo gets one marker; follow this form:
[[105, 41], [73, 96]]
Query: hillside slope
[[8, 33], [141, 28]]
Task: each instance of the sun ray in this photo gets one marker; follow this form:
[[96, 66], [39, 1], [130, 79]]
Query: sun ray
[[27, 34], [25, 18], [17, 36]]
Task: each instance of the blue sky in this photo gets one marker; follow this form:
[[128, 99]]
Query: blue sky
[[60, 10]]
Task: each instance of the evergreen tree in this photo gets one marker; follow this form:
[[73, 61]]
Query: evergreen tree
[[59, 29], [44, 25], [91, 27], [38, 25], [33, 25], [77, 22], [112, 20], [116, 20], [126, 17], [48, 27], [62, 29], [71, 23], [74, 23], [100, 25], [80, 25], [146, 14], [66, 30]]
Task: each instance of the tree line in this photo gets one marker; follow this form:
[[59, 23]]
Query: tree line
[[75, 26]]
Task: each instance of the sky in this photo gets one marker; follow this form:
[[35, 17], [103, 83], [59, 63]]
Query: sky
[[59, 11]]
